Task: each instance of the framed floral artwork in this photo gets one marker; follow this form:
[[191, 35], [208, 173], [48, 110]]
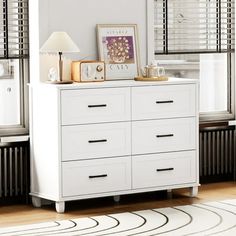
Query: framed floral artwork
[[118, 48]]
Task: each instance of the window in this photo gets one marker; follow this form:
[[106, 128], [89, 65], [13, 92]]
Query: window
[[195, 39], [14, 55]]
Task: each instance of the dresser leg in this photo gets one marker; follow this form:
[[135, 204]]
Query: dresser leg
[[60, 207], [169, 193], [116, 198], [36, 201], [193, 191]]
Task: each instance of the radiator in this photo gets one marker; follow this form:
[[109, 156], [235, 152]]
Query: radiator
[[14, 171], [217, 153]]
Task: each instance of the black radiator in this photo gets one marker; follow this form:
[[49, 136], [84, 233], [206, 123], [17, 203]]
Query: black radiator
[[217, 154], [14, 172]]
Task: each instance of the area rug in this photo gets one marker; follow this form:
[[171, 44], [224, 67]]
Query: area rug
[[212, 218]]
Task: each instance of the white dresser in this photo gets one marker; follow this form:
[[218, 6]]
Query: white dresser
[[116, 137]]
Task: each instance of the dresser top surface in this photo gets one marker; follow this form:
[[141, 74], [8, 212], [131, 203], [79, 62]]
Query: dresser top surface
[[117, 83]]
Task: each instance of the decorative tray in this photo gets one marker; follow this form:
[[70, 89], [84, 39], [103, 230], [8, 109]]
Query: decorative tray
[[159, 78]]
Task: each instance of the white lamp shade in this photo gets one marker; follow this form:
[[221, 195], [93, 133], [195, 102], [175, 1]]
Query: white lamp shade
[[59, 42]]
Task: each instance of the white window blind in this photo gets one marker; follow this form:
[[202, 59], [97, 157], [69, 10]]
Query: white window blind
[[193, 26], [14, 29]]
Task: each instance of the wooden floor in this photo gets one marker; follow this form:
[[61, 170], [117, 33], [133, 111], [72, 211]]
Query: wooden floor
[[26, 214]]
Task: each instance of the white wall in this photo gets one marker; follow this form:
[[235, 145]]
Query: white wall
[[79, 18]]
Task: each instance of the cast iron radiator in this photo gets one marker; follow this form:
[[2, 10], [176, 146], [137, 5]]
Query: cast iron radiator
[[217, 154], [14, 171]]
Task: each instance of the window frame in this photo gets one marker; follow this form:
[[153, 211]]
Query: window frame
[[23, 127], [23, 60], [228, 115], [206, 117]]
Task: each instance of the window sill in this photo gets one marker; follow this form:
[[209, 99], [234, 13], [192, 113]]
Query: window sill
[[14, 139]]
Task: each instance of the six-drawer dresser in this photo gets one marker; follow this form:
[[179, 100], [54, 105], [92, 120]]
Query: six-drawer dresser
[[111, 138]]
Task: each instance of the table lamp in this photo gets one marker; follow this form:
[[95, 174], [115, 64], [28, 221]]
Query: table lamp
[[60, 42]]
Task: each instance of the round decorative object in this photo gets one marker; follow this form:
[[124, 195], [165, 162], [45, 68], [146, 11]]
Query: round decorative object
[[52, 74], [99, 68]]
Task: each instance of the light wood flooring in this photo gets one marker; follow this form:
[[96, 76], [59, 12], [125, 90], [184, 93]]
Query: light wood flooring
[[26, 214]]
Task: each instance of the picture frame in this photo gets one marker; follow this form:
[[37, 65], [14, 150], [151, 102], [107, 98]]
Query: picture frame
[[118, 47]]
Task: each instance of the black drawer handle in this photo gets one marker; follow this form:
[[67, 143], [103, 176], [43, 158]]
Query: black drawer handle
[[165, 169], [164, 135], [98, 141], [97, 176], [167, 101], [99, 105]]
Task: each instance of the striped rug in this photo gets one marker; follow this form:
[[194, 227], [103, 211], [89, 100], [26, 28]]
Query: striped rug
[[212, 218]]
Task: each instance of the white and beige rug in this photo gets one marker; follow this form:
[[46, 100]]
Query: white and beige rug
[[212, 218]]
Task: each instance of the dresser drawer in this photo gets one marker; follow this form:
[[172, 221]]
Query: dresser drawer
[[164, 169], [95, 105], [154, 102], [163, 135], [96, 141], [96, 176]]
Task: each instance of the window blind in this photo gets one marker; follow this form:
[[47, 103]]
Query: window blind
[[194, 26], [14, 41]]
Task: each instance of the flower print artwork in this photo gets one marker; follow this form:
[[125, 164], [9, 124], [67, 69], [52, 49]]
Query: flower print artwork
[[119, 49]]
